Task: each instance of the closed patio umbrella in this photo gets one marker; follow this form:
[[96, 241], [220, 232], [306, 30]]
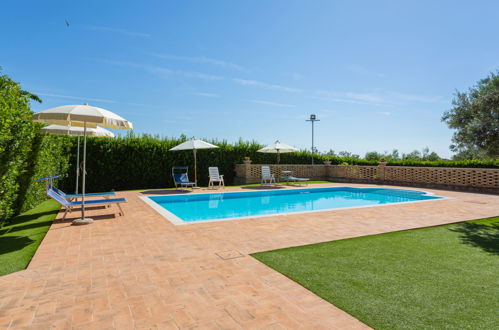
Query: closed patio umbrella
[[194, 144], [277, 148], [85, 116], [77, 131]]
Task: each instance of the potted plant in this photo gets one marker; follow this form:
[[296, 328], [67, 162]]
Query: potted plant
[[327, 161], [247, 160], [382, 161]]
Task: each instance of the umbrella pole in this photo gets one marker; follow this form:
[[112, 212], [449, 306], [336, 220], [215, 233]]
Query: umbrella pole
[[278, 156], [195, 169], [84, 170], [83, 220], [78, 165]]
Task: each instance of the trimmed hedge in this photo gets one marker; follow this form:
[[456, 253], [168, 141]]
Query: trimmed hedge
[[145, 162], [137, 162], [25, 153]]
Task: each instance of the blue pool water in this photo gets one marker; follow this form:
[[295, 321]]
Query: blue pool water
[[198, 207]]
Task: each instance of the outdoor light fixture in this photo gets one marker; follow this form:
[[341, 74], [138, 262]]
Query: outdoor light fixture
[[313, 118]]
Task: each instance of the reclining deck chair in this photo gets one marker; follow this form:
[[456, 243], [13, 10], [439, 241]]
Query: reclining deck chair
[[68, 206], [49, 184], [181, 177], [71, 197], [267, 177], [288, 177], [215, 177]]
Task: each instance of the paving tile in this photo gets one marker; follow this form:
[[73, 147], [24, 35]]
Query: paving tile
[[182, 318], [82, 315], [230, 254], [140, 271]]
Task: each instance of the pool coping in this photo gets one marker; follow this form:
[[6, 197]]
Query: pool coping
[[177, 221]]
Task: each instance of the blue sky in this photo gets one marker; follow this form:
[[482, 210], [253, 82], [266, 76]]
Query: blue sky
[[378, 74]]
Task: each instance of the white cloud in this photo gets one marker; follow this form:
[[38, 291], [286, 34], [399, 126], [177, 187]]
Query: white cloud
[[386, 113], [162, 71], [70, 97], [379, 98], [118, 30], [413, 97], [274, 104], [245, 82], [88, 99], [200, 59], [349, 97], [207, 94], [294, 76], [363, 71]]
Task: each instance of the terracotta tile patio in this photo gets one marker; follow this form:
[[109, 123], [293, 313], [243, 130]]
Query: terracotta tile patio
[[140, 271]]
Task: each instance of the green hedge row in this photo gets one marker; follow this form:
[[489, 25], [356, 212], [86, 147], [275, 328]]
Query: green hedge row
[[145, 162], [25, 153], [134, 162]]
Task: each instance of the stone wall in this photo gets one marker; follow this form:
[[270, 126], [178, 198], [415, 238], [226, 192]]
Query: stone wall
[[471, 179], [252, 173]]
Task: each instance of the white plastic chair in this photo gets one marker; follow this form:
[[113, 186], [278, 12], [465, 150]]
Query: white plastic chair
[[215, 177], [267, 177]]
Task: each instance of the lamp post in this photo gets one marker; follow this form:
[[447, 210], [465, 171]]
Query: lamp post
[[313, 118]]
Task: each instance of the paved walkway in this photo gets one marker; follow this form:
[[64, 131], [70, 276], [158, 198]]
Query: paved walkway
[[140, 271]]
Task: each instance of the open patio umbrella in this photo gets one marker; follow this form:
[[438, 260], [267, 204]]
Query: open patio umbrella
[[87, 117], [194, 144], [77, 131], [278, 148]]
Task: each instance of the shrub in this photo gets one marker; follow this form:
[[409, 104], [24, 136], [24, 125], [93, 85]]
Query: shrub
[[25, 153]]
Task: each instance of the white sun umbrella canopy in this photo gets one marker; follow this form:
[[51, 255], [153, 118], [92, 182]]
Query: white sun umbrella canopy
[[194, 144], [278, 148], [82, 115], [85, 116], [77, 131]]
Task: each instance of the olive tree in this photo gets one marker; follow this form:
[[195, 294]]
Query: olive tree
[[475, 119]]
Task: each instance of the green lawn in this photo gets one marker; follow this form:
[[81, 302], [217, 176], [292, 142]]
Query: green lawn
[[444, 277], [20, 239]]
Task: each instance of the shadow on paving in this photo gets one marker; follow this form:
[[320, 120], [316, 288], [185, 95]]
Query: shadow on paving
[[94, 217], [478, 235], [14, 243]]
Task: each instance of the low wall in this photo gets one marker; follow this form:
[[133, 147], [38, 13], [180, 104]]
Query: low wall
[[252, 173], [470, 179]]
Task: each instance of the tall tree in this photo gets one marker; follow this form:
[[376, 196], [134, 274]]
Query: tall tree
[[475, 117]]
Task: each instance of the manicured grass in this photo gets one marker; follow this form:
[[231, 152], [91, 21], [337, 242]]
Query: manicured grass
[[443, 277], [22, 236]]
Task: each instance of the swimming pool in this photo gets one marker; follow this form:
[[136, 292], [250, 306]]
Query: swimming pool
[[191, 208]]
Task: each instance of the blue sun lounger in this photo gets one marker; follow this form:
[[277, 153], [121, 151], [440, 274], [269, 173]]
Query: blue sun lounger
[[68, 206], [49, 184], [182, 179], [288, 177]]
